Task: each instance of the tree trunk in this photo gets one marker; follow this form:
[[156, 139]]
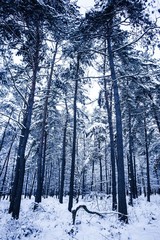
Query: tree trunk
[[44, 159], [135, 177], [16, 192], [7, 164], [49, 180], [20, 164], [26, 186], [28, 172], [147, 158], [130, 202], [32, 184], [84, 167], [63, 156], [100, 167], [83, 182], [92, 181], [122, 206], [155, 109], [143, 182], [71, 188], [5, 130], [131, 174], [112, 153], [40, 165], [106, 171]]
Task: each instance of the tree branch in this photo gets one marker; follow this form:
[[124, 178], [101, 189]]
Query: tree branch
[[102, 215], [136, 40], [74, 212], [20, 124]]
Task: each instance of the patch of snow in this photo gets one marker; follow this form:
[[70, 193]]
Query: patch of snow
[[52, 221]]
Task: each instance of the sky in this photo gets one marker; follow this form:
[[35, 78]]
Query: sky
[[85, 5]]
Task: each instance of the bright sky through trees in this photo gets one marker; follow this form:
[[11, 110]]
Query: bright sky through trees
[[85, 5]]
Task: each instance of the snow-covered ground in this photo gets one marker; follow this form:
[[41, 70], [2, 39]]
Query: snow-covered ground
[[52, 221]]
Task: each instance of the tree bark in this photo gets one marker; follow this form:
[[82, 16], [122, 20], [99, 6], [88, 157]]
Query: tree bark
[[71, 188], [100, 167], [131, 174], [147, 158], [49, 179], [143, 182], [5, 130], [63, 156], [84, 170], [106, 171], [155, 109], [135, 177], [32, 184], [7, 164], [112, 153], [122, 206], [16, 192], [40, 165]]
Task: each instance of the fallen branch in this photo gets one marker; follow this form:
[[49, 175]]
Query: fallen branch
[[74, 212], [102, 215]]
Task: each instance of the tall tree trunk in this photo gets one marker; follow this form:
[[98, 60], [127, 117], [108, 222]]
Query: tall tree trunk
[[32, 184], [158, 182], [28, 172], [40, 165], [44, 158], [6, 161], [26, 186], [112, 153], [122, 206], [130, 202], [92, 181], [147, 158], [71, 188], [7, 164], [49, 179], [143, 182], [12, 178], [63, 156], [83, 182], [106, 169], [155, 109], [131, 174], [135, 177], [16, 192], [93, 169], [84, 167], [100, 167]]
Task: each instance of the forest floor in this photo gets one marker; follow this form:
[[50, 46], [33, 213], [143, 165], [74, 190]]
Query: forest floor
[[52, 221]]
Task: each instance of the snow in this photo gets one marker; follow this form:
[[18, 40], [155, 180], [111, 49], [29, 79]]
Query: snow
[[52, 221]]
